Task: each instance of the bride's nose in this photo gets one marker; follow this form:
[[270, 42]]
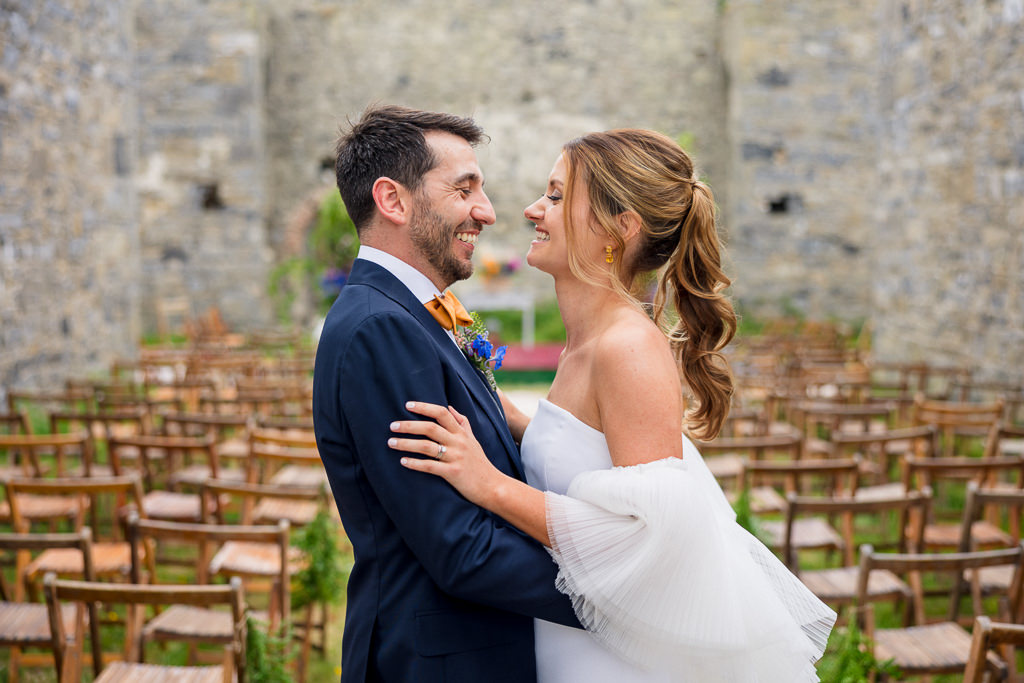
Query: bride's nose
[[535, 211]]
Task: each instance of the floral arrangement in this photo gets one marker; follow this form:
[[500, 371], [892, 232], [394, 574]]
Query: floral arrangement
[[474, 342], [492, 268]]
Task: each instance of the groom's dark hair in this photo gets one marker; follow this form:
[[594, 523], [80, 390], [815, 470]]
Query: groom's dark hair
[[388, 141]]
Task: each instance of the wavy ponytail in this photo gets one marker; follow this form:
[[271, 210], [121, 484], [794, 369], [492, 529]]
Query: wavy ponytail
[[693, 279], [648, 173]]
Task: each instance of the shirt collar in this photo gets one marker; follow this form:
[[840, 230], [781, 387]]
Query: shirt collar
[[417, 283]]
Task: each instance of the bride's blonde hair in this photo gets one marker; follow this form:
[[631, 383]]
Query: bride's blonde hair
[[648, 173]]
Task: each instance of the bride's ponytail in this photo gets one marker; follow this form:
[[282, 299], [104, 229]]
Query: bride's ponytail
[[647, 173], [693, 279]]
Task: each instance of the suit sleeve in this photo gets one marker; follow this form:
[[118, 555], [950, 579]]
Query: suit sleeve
[[470, 553]]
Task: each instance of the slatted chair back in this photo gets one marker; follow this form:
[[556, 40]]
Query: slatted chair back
[[1005, 439], [88, 491], [986, 636], [819, 419], [14, 423], [250, 404], [83, 593], [286, 457], [26, 624], [823, 477], [910, 510], [930, 647], [185, 392], [725, 456], [174, 453], [948, 478], [99, 426], [879, 450], [209, 540], [958, 422], [61, 447], [262, 503], [42, 401]]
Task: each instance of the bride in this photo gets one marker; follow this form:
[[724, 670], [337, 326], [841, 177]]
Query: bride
[[668, 586]]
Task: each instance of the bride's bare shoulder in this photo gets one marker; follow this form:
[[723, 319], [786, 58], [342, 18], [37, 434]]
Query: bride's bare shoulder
[[634, 347]]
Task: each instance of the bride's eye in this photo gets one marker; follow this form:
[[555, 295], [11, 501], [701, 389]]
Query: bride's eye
[[554, 197]]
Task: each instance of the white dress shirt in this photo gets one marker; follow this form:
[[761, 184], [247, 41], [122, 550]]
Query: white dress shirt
[[417, 283]]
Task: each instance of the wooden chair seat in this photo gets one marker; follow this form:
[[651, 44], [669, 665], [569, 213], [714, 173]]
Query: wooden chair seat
[[172, 506], [297, 512], [185, 622], [995, 579], [130, 672], [807, 534], [195, 475], [233, 448], [880, 491], [36, 508], [108, 558], [299, 476], [724, 466], [28, 623], [839, 584], [242, 558], [934, 648], [983, 535]]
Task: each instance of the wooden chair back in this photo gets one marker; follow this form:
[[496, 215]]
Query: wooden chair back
[[985, 636], [123, 490], [954, 420], [84, 593], [950, 564], [174, 451], [824, 477], [60, 446], [910, 509], [22, 544]]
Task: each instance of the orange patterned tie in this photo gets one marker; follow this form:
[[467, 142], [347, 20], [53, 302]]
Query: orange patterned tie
[[448, 311]]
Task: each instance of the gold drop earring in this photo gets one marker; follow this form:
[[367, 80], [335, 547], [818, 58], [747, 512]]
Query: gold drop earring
[[608, 256]]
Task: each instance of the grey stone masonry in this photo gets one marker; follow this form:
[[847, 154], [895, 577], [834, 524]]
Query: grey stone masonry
[[201, 177], [948, 262], [69, 236]]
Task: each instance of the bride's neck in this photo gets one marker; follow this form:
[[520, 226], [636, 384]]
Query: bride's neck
[[585, 309]]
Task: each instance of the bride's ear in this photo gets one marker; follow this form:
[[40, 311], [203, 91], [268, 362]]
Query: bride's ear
[[630, 225]]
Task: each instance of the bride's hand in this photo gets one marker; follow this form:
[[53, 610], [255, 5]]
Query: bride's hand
[[451, 449]]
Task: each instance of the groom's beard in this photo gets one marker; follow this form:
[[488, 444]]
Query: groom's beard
[[433, 236]]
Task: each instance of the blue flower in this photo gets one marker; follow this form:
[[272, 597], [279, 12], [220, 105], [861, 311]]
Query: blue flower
[[499, 357]]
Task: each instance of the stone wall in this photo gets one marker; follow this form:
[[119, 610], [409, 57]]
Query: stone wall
[[948, 263], [69, 242], [804, 119], [202, 183], [533, 76]]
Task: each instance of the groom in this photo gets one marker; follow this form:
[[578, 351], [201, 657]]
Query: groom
[[441, 590]]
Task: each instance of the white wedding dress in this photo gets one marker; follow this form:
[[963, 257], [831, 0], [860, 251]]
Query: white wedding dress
[[669, 587]]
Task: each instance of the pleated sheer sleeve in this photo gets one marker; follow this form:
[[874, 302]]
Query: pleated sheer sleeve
[[659, 571]]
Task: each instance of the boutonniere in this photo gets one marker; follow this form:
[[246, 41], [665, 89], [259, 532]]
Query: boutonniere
[[478, 350]]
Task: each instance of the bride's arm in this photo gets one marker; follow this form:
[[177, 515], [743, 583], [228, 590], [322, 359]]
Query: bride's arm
[[465, 467]]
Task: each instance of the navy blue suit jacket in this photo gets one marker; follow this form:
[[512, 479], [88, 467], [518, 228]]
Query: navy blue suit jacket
[[441, 590]]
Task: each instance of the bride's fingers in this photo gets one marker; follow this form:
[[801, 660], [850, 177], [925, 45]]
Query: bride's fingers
[[419, 446], [461, 419], [423, 465], [431, 430], [433, 411]]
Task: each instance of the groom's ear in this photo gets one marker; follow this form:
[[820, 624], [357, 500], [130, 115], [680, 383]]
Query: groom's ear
[[392, 200]]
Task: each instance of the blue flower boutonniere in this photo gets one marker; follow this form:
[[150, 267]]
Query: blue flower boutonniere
[[479, 351]]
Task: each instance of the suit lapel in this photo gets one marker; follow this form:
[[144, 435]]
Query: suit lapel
[[373, 275]]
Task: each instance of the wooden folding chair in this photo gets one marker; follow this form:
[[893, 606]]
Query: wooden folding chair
[[725, 456], [132, 668], [26, 624], [111, 556], [986, 636], [958, 423], [928, 648], [768, 482], [285, 457], [837, 585]]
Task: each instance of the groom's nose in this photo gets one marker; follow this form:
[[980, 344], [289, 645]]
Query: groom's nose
[[482, 212]]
